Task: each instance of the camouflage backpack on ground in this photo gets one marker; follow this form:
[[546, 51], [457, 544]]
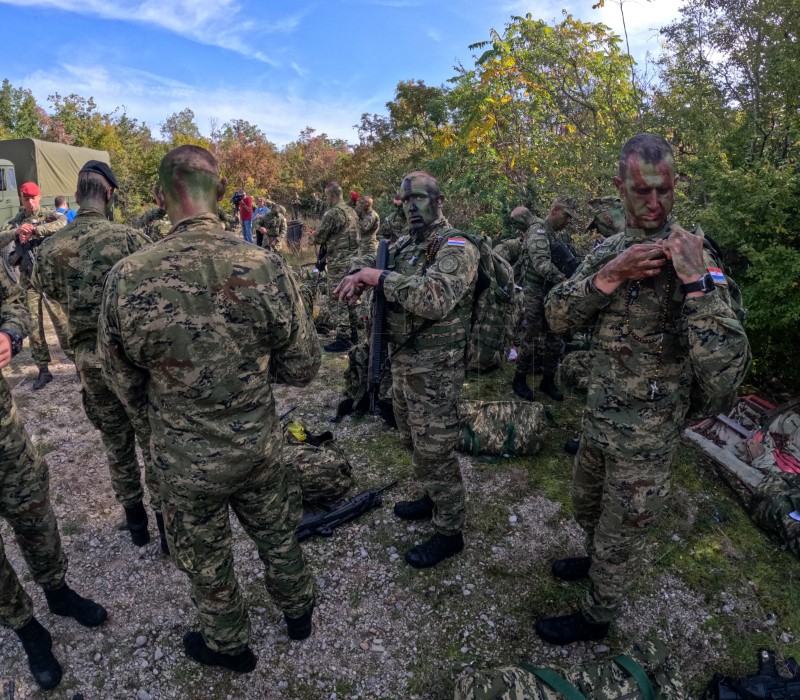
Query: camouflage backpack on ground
[[771, 506], [324, 473], [501, 428], [645, 674], [493, 309]]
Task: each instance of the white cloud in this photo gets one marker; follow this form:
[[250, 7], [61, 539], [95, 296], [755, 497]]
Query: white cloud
[[152, 98], [220, 23], [433, 34]]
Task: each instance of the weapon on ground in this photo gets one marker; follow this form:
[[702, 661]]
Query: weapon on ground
[[564, 258], [766, 683], [323, 524], [377, 341]]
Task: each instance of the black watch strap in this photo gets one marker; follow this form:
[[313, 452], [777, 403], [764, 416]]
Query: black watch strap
[[704, 284], [16, 341]]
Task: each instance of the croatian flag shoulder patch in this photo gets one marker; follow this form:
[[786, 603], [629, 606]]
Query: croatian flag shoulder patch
[[456, 241], [717, 275]]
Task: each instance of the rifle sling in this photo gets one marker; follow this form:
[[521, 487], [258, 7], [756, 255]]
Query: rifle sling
[[556, 682], [638, 674]]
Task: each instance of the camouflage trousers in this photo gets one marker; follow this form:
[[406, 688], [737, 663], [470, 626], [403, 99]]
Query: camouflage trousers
[[198, 527], [25, 505], [343, 317], [536, 338], [425, 388], [37, 305], [117, 433], [616, 501]]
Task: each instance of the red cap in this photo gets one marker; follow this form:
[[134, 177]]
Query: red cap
[[30, 188], [354, 196]]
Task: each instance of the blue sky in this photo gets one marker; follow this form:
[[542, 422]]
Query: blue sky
[[282, 66]]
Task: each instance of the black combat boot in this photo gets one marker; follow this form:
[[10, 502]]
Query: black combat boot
[[436, 549], [420, 509], [299, 627], [548, 386], [37, 642], [521, 388], [136, 519], [567, 629], [196, 647], [338, 345], [162, 534], [571, 447], [44, 378], [572, 569], [66, 602]]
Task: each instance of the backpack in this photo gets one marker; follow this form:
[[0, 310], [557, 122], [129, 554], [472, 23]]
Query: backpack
[[501, 428], [493, 309]]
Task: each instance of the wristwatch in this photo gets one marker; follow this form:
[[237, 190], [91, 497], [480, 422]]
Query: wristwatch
[[704, 284], [16, 341]]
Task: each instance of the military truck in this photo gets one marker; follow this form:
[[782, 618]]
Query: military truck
[[52, 166]]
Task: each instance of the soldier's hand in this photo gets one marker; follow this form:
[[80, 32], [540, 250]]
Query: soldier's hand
[[638, 262], [686, 252], [261, 229], [5, 350], [351, 287], [24, 232]]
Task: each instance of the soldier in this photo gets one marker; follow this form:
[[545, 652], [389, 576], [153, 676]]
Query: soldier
[[339, 233], [30, 226], [608, 218], [395, 223], [71, 267], [429, 287], [192, 330], [369, 224], [662, 326], [271, 227], [153, 223], [25, 504], [537, 277], [296, 206]]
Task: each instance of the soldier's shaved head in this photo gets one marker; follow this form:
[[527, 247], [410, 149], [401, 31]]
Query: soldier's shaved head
[[334, 188], [521, 217], [432, 184], [651, 148], [191, 173]]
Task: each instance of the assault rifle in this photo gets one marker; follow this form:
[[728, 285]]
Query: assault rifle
[[323, 524], [564, 258], [767, 683], [377, 341], [322, 257]]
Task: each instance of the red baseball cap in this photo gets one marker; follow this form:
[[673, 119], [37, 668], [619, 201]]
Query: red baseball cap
[[30, 188]]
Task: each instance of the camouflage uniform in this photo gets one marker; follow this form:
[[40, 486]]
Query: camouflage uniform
[[192, 328], [33, 298], [394, 225], [608, 216], [275, 223], [369, 224], [154, 223], [638, 397], [71, 267], [575, 369], [537, 276], [24, 489], [339, 232], [429, 310]]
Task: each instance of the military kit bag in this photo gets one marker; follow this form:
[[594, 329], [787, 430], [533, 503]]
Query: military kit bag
[[775, 505], [493, 309], [325, 474], [501, 428], [645, 674]]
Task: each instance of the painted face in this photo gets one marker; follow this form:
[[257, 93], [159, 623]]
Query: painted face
[[648, 192], [420, 203], [31, 203]]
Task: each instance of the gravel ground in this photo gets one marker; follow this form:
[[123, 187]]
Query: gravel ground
[[381, 630]]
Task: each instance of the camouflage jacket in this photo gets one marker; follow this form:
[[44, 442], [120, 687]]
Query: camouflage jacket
[[154, 223], [47, 222], [339, 232], [71, 267], [430, 296], [538, 267], [369, 223], [191, 330], [639, 392], [14, 317], [394, 225], [276, 226]]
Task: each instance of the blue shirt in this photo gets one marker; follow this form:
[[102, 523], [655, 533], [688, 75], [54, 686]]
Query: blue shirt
[[69, 213]]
